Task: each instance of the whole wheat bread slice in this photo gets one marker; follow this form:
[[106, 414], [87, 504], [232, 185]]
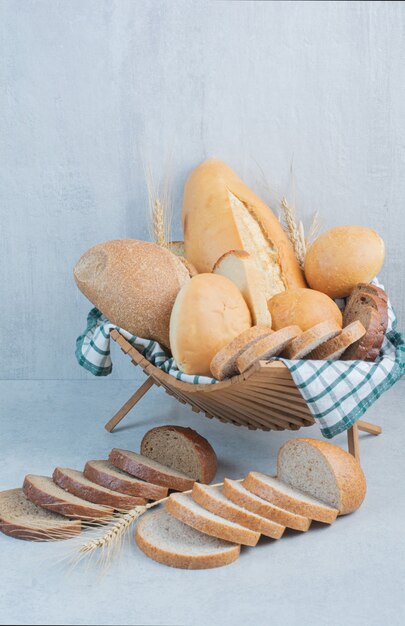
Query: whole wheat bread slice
[[214, 500], [166, 540], [273, 490], [22, 519], [223, 365], [108, 475], [360, 301], [333, 349], [236, 492], [184, 508], [311, 339], [76, 482], [149, 470], [365, 348], [42, 491], [267, 347]]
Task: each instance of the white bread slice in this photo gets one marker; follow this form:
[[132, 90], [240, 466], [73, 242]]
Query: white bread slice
[[235, 491], [166, 540], [223, 365], [214, 500], [323, 471], [241, 269], [184, 508], [281, 494], [267, 347], [333, 349], [107, 475], [22, 519], [311, 339]]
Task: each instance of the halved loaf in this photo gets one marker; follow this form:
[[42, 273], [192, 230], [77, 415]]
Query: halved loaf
[[235, 491], [267, 347], [214, 500], [334, 348], [22, 519], [42, 491], [149, 470], [366, 348], [323, 471], [312, 339], [76, 482], [166, 540], [182, 449], [184, 508], [243, 271], [284, 495], [108, 475], [223, 365]]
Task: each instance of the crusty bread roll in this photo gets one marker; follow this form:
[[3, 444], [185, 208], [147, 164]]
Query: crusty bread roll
[[342, 257], [220, 213], [303, 307], [209, 312], [134, 283], [240, 268]]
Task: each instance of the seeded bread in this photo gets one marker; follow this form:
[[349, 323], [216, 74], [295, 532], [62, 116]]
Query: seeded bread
[[267, 347], [235, 491], [281, 494], [184, 508], [76, 482], [214, 500], [223, 365], [108, 475], [149, 470], [22, 519], [42, 491], [182, 449], [166, 540], [323, 471], [312, 339], [366, 347], [334, 348]]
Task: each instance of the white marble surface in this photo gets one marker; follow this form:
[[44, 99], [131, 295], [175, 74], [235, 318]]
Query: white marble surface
[[351, 573]]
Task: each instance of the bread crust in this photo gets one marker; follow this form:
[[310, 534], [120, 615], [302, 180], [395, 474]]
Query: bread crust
[[268, 347], [307, 341], [150, 474], [124, 485], [223, 365], [334, 348], [346, 469]]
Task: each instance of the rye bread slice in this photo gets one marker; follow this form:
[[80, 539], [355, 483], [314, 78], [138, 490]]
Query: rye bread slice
[[182, 449], [166, 540], [107, 475], [366, 347], [223, 365], [22, 519], [267, 347], [333, 349], [214, 500], [372, 289], [76, 482], [184, 508], [311, 339], [43, 492], [360, 298], [149, 470]]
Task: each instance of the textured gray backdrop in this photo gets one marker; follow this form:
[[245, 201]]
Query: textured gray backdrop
[[91, 90]]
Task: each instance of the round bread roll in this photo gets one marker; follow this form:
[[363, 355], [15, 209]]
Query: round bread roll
[[343, 257], [302, 307], [134, 283], [209, 312]]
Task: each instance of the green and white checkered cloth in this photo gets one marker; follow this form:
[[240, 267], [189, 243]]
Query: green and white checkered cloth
[[338, 393]]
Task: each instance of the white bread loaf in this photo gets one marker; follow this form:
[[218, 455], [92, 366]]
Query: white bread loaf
[[209, 313], [134, 283], [302, 307], [220, 213]]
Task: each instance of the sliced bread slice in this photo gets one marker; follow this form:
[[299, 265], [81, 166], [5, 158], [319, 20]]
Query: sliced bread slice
[[281, 494], [182, 449], [76, 482], [184, 508], [311, 339], [108, 475], [149, 470], [223, 365], [241, 269], [235, 491], [22, 519], [267, 347], [365, 348], [323, 471], [214, 500], [333, 349], [371, 296], [166, 540], [42, 491]]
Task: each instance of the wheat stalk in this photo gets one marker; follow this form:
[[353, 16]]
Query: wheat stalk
[[295, 231], [160, 210]]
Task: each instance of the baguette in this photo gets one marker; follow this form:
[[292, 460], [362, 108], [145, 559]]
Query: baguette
[[267, 347], [223, 365]]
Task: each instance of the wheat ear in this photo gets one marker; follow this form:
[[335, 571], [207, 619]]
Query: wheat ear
[[160, 210], [295, 231]]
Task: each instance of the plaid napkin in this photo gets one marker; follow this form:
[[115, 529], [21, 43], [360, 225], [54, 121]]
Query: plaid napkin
[[338, 393]]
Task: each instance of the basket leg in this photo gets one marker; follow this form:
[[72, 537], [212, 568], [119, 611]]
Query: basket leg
[[367, 427], [129, 404], [353, 441]]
